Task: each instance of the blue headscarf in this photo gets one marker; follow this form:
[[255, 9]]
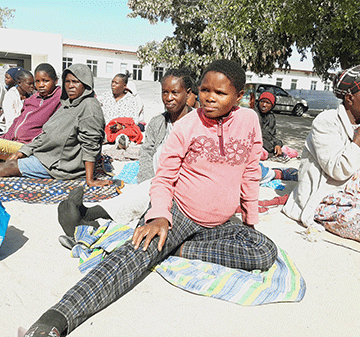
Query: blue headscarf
[[13, 72]]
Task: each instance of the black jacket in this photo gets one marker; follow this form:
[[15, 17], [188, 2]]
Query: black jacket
[[268, 129]]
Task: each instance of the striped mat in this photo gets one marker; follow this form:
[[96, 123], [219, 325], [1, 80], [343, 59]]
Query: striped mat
[[281, 283]]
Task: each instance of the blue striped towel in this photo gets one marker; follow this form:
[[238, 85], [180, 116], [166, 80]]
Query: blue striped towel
[[281, 283]]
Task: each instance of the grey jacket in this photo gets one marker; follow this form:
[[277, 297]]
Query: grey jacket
[[154, 136], [75, 132]]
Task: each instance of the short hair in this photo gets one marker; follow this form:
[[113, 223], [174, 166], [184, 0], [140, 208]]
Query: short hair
[[232, 70], [125, 77], [47, 68], [22, 74], [183, 73]]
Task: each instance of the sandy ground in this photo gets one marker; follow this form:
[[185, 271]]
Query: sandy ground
[[35, 271]]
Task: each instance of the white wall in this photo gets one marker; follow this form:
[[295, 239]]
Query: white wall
[[82, 54], [42, 47]]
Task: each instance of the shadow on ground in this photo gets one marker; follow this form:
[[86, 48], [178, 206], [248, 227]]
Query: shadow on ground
[[13, 241], [293, 130]]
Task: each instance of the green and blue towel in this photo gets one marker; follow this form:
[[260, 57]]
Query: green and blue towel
[[281, 283]]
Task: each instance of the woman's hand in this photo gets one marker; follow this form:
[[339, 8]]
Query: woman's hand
[[15, 156], [99, 183], [158, 226], [278, 150]]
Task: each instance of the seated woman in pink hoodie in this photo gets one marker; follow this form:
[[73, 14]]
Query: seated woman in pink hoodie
[[35, 113]]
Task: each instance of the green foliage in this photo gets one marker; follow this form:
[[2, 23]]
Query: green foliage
[[5, 15], [259, 34]]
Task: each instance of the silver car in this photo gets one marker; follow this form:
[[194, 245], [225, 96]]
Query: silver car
[[284, 101]]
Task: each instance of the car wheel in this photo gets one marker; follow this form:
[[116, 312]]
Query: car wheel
[[298, 110]]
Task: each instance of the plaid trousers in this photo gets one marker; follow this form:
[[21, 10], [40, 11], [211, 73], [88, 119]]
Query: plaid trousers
[[232, 244]]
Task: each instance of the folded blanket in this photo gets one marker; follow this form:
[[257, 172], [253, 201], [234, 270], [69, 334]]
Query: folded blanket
[[281, 283], [129, 173], [131, 153]]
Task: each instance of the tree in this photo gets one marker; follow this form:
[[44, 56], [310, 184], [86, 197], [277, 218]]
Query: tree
[[5, 14], [260, 34]]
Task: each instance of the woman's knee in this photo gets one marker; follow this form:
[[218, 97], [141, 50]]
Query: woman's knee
[[270, 253]]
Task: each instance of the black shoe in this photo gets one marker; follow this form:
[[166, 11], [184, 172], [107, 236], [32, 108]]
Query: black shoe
[[67, 241]]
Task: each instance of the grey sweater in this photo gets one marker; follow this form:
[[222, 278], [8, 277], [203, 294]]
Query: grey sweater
[[74, 134], [154, 136]]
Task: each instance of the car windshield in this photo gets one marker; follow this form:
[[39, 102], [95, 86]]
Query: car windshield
[[280, 92]]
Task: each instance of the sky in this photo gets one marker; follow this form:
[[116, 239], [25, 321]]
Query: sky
[[95, 21]]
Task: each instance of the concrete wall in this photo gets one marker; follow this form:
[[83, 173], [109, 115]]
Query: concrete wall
[[42, 47], [104, 53]]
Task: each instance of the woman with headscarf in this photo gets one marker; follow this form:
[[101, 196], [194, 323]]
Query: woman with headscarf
[[331, 155], [15, 96], [71, 139], [10, 82]]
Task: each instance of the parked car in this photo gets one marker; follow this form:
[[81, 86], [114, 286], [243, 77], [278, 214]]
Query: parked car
[[284, 101]]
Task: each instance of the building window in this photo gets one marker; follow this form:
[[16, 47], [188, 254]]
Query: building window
[[279, 82], [327, 86], [67, 62], [137, 72], [109, 67], [248, 78], [93, 66], [293, 84], [158, 73], [123, 68], [313, 85]]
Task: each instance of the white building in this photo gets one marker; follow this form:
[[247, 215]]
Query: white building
[[28, 49], [291, 79], [106, 60]]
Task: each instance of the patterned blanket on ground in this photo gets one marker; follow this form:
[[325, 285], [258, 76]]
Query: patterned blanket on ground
[[281, 283], [51, 190]]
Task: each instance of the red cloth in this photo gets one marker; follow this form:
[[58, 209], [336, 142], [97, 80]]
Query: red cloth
[[129, 128]]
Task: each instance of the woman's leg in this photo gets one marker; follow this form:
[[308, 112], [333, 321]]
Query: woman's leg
[[72, 212], [116, 275], [232, 245], [128, 206], [9, 169]]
